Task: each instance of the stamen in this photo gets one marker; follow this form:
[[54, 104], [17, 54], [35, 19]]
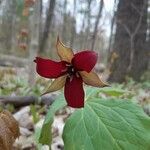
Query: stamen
[[71, 78], [64, 70], [68, 65], [77, 75]]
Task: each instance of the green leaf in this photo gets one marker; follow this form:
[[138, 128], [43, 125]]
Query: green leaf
[[112, 91], [36, 138], [46, 135], [107, 125], [92, 92], [34, 113]]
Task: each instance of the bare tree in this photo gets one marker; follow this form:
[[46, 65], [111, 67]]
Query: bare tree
[[96, 24], [130, 41], [64, 29], [34, 40], [112, 29], [86, 23], [8, 24], [41, 23], [88, 17], [83, 12], [73, 31], [49, 17]]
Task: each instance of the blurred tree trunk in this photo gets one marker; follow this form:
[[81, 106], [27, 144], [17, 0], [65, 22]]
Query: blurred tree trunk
[[82, 31], [111, 35], [41, 24], [130, 41], [112, 30], [88, 16], [73, 32], [138, 67], [8, 25], [101, 4], [49, 17], [64, 28], [148, 35], [34, 41]]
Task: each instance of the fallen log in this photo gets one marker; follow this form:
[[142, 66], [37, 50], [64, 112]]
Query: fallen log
[[19, 101], [12, 61]]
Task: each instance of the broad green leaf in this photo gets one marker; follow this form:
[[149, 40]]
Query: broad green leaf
[[46, 135], [107, 125], [91, 92]]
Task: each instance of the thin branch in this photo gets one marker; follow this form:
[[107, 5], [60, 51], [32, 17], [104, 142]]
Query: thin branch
[[132, 38], [124, 25], [134, 7], [132, 34]]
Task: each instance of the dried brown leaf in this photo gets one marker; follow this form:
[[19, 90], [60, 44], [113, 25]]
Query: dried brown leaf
[[57, 84], [92, 79], [9, 130], [65, 53], [114, 56]]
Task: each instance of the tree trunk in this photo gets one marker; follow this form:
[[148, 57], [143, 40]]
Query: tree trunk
[[34, 41], [41, 24], [82, 41], [138, 67], [49, 17], [86, 42], [73, 32], [148, 33], [112, 30], [130, 41], [96, 24], [9, 12], [64, 29]]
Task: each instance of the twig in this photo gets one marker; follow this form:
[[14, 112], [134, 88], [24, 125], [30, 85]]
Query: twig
[[19, 101]]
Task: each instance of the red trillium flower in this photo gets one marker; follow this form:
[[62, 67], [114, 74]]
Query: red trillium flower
[[70, 73]]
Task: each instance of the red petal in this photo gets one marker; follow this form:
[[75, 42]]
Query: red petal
[[85, 60], [48, 68], [74, 92]]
